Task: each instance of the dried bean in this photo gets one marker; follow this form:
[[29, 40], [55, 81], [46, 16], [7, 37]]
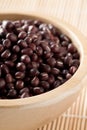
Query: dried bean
[[12, 37], [38, 90], [22, 44], [19, 75], [6, 43], [22, 35], [25, 59], [16, 48], [19, 84], [2, 83], [21, 66], [35, 81], [6, 54], [9, 78], [44, 76]]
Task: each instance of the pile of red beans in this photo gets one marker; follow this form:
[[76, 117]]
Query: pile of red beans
[[35, 57]]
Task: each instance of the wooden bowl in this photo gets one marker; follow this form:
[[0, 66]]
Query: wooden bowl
[[30, 113]]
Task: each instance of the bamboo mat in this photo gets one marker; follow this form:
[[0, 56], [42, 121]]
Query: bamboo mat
[[75, 13]]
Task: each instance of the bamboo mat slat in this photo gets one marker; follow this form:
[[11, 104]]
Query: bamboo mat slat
[[75, 13]]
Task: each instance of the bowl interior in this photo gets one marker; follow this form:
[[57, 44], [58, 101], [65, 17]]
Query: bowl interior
[[63, 89]]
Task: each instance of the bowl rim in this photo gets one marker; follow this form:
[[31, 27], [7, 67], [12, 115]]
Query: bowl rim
[[70, 86]]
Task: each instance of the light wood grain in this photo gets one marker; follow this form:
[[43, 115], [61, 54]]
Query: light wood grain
[[75, 13]]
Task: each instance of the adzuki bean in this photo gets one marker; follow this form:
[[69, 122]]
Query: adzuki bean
[[35, 57]]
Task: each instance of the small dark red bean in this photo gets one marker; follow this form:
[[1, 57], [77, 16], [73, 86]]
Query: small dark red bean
[[51, 79], [42, 26], [30, 66], [2, 32], [2, 83], [44, 42], [72, 69], [19, 84], [0, 71], [16, 48], [62, 52], [45, 85], [69, 54], [6, 43], [5, 68], [28, 39], [9, 78], [22, 35], [52, 44], [75, 62], [34, 57], [44, 76], [71, 48], [64, 72], [35, 64], [22, 44], [18, 30], [76, 55], [12, 37], [39, 51], [6, 54], [64, 38], [19, 75], [45, 47], [59, 64], [60, 78], [39, 60], [65, 43], [21, 66], [25, 89], [13, 57], [1, 48], [32, 46], [27, 79], [56, 84], [53, 29], [27, 51], [35, 39], [25, 27], [17, 24], [25, 95], [46, 68], [51, 62], [55, 49], [32, 29], [3, 93], [68, 60], [25, 58], [37, 23], [35, 81], [68, 76], [10, 85], [12, 93], [34, 72], [48, 54], [55, 71], [38, 90], [8, 25]]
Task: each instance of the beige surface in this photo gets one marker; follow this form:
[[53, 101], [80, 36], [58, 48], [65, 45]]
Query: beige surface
[[75, 13]]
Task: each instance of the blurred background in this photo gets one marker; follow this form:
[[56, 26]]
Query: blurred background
[[73, 12]]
